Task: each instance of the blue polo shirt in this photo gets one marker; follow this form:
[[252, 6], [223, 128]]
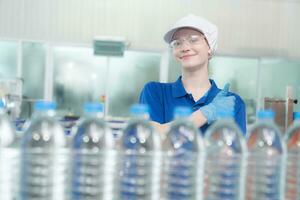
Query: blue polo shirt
[[162, 98]]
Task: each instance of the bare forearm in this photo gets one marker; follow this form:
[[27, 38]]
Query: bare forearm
[[198, 118], [162, 129]]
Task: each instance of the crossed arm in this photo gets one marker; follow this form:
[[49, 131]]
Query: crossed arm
[[197, 118], [207, 113]]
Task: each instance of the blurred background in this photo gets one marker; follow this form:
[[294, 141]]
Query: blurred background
[[46, 51]]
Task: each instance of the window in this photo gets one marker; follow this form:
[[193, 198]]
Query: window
[[33, 69], [241, 73], [127, 77], [81, 77], [276, 75], [8, 59], [33, 75]]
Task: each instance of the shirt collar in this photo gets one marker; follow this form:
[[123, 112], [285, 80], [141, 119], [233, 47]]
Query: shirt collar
[[179, 91], [210, 94]]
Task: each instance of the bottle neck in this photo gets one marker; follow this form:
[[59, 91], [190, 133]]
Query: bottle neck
[[226, 119], [44, 113], [185, 118], [141, 116], [98, 115], [296, 121], [2, 111], [267, 120]]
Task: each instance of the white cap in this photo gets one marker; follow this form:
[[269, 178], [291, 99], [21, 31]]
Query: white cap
[[209, 30]]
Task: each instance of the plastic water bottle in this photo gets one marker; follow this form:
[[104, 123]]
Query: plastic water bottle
[[265, 159], [292, 174], [139, 158], [225, 160], [93, 157], [183, 152], [9, 158], [45, 157]]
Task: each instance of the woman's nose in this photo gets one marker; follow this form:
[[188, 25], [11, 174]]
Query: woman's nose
[[185, 48]]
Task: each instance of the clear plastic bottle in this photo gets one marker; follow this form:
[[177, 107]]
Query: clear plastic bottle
[[292, 173], [93, 156], [183, 152], [225, 160], [9, 158], [265, 159], [45, 157], [139, 157]]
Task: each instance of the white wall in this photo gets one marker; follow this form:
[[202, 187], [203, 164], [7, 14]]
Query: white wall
[[247, 27]]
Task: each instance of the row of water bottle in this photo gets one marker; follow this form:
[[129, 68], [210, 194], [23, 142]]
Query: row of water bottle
[[45, 164]]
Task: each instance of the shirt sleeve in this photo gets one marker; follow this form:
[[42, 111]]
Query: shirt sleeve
[[240, 115], [151, 95]]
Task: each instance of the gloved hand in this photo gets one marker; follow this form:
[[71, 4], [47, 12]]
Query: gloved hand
[[221, 102]]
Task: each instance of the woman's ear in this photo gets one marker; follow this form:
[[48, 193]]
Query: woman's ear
[[209, 54]]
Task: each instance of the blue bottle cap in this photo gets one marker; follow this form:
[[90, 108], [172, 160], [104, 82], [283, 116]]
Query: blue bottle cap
[[93, 107], [225, 114], [1, 104], [139, 109], [297, 115], [44, 105], [182, 111], [265, 114]]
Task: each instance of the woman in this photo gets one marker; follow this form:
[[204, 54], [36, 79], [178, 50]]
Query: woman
[[193, 41]]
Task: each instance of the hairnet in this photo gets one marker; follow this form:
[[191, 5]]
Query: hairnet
[[209, 30]]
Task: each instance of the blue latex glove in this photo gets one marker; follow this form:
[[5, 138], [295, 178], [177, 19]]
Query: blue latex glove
[[221, 102]]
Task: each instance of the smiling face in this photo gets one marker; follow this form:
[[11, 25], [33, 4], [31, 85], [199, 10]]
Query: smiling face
[[190, 48]]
